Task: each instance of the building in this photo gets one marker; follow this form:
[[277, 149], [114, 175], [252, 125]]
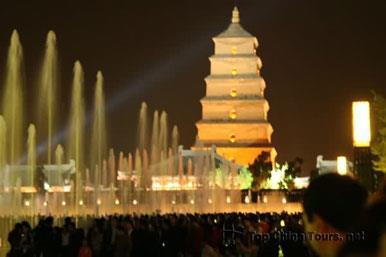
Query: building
[[331, 166], [234, 110]]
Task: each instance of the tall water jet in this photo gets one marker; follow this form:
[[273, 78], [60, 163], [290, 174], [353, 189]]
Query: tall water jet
[[171, 162], [3, 150], [98, 140], [97, 177], [77, 123], [16, 203], [128, 186], [59, 159], [138, 167], [48, 89], [31, 143], [127, 167], [130, 165], [120, 161], [105, 173], [97, 183], [111, 165], [12, 108], [163, 133], [138, 173], [190, 167], [154, 139], [175, 139], [142, 127], [146, 178]]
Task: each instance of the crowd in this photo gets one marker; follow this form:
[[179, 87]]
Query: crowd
[[333, 206]]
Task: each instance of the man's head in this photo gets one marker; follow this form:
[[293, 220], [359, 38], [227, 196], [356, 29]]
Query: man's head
[[332, 204]]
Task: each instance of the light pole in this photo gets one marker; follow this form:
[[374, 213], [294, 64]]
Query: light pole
[[363, 169]]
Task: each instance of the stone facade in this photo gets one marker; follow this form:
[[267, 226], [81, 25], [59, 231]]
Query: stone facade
[[234, 110]]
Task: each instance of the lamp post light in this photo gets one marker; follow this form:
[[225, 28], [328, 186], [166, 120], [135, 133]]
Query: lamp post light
[[361, 141]]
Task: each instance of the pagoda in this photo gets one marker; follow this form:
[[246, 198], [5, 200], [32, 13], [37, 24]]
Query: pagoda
[[234, 110]]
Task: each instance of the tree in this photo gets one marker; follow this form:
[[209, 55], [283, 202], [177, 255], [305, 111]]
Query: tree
[[260, 169], [294, 169], [378, 146]]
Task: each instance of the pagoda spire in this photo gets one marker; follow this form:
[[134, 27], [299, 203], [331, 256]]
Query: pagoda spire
[[235, 15]]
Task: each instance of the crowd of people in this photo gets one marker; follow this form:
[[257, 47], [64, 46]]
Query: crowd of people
[[337, 221]]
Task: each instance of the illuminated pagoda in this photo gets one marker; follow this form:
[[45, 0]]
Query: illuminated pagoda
[[234, 110]]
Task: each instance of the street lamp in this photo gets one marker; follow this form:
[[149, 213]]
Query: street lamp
[[361, 141], [361, 124]]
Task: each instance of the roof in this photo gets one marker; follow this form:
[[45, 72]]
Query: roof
[[234, 29]]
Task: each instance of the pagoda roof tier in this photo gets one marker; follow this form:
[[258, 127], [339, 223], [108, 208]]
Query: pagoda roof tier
[[237, 98], [227, 121], [245, 76], [234, 56], [235, 29], [227, 144]]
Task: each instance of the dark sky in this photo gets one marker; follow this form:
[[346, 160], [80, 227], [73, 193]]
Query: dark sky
[[318, 56]]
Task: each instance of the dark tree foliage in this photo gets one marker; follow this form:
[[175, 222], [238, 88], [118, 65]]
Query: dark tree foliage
[[378, 144], [260, 169], [293, 170]]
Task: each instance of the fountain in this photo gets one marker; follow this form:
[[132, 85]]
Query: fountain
[[142, 127], [98, 140], [48, 88], [76, 135], [59, 197], [31, 164], [175, 138], [154, 140], [13, 100], [3, 151], [111, 166], [158, 176], [163, 135]]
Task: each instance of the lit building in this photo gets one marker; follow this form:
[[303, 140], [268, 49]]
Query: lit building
[[234, 110], [341, 165]]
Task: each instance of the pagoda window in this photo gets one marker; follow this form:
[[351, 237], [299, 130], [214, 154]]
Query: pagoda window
[[233, 92], [232, 115], [232, 139], [234, 72]]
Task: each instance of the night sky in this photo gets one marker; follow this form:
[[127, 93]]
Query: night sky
[[318, 56]]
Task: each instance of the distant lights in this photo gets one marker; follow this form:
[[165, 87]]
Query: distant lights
[[99, 202], [27, 203], [246, 199], [341, 165], [192, 201], [265, 199], [45, 203], [135, 202], [228, 200], [81, 202], [63, 203], [284, 200], [210, 201], [117, 202], [234, 72], [173, 202], [282, 223]]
